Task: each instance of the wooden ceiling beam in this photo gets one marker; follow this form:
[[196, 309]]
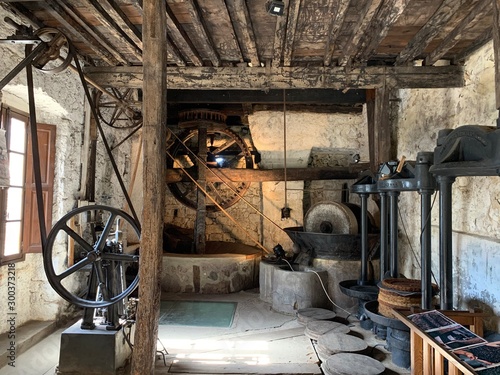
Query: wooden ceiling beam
[[426, 34], [98, 13], [67, 17], [279, 38], [456, 34], [335, 26], [233, 78], [202, 33], [362, 27], [291, 28], [387, 15], [174, 55], [480, 41], [181, 40], [263, 175], [242, 25], [311, 96], [128, 28]]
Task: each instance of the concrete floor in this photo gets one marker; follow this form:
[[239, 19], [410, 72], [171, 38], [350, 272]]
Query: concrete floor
[[260, 341]]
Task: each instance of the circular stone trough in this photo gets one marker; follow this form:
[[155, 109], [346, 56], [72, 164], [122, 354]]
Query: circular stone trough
[[226, 267]]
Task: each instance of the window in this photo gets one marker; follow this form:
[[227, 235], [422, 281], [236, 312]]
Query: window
[[19, 229]]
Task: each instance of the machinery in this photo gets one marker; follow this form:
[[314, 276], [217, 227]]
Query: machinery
[[101, 268]]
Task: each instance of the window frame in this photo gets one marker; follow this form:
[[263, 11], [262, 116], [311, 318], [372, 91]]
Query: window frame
[[7, 114]]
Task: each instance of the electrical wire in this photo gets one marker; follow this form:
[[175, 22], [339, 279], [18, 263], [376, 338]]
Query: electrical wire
[[324, 289]]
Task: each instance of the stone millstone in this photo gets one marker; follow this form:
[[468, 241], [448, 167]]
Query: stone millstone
[[311, 314], [331, 218], [333, 343], [352, 364], [317, 328]]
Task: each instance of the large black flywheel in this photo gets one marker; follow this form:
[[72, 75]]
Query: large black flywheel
[[225, 149], [105, 251]]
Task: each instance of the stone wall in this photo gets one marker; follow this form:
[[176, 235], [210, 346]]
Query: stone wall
[[59, 101], [476, 207]]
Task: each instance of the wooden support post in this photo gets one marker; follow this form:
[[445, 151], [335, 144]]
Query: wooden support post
[[153, 141], [496, 46], [379, 127], [201, 212]]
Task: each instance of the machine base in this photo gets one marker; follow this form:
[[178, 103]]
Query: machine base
[[96, 351]]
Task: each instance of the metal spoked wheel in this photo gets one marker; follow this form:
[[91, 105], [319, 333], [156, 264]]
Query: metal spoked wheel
[[121, 109], [58, 54], [106, 252], [225, 150]]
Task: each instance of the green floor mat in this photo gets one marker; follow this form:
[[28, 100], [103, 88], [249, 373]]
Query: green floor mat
[[197, 313]]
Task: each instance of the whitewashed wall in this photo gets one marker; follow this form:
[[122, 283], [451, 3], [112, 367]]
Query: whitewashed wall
[[476, 207], [304, 131], [59, 101]]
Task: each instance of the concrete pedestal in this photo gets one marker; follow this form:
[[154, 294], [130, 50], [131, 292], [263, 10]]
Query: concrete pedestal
[[266, 273], [340, 270], [298, 289], [91, 352]]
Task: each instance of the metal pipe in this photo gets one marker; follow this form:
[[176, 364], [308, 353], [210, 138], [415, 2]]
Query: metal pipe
[[364, 239], [445, 242], [384, 235], [393, 227], [425, 241]]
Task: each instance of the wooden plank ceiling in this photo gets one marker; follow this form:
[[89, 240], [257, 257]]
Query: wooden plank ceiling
[[237, 44]]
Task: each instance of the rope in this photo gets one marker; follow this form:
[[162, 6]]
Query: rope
[[284, 146], [202, 162], [221, 208]]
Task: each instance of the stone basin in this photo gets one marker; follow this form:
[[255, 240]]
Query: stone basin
[[226, 267]]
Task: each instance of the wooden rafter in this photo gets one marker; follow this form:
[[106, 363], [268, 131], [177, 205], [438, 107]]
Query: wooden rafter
[[365, 18], [335, 26], [480, 41], [181, 40], [455, 35], [174, 55], [66, 16], [127, 27], [279, 37], [425, 35], [338, 78], [291, 28], [115, 34], [387, 15], [243, 28], [202, 32]]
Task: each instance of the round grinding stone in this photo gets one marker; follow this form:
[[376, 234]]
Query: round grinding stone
[[310, 314], [352, 364], [334, 343], [331, 218], [317, 328]]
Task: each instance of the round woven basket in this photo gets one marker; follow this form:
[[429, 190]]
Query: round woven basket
[[400, 294]]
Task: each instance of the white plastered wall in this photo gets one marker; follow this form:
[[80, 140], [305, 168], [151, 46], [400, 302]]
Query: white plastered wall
[[476, 200]]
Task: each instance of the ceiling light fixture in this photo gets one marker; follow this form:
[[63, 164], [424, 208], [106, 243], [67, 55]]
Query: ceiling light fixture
[[275, 7]]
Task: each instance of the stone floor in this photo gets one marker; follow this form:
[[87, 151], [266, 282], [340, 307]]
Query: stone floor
[[260, 341]]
